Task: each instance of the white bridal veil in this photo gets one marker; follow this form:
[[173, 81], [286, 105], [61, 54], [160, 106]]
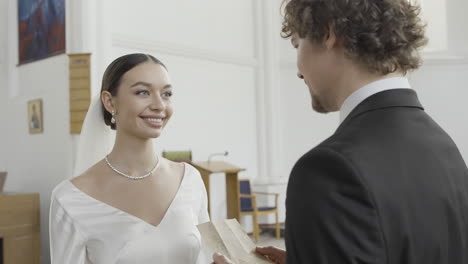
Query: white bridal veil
[[96, 139]]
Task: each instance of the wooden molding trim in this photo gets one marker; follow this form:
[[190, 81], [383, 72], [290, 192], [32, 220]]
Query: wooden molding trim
[[132, 42]]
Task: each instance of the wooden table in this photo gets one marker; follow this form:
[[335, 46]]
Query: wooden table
[[20, 228], [232, 186]]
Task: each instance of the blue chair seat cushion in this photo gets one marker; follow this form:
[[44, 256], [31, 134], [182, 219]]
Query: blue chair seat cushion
[[258, 209]]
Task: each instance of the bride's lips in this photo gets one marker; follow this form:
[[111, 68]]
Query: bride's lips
[[153, 121]]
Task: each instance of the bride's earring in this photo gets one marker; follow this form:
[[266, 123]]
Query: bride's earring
[[113, 117]]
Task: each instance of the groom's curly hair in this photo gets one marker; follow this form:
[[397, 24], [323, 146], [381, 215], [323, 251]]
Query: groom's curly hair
[[382, 35], [115, 71]]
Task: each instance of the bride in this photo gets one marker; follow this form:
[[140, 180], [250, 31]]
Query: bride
[[128, 205]]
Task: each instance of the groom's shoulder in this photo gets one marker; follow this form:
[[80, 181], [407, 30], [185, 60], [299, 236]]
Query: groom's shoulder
[[328, 161], [334, 147]]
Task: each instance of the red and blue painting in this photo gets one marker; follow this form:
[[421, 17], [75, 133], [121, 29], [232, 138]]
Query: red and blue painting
[[41, 28]]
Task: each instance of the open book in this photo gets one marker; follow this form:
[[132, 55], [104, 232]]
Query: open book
[[228, 238]]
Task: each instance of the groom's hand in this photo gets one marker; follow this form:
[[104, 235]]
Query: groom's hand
[[220, 259], [272, 253]]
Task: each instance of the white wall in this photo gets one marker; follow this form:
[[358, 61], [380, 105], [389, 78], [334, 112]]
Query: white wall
[[434, 14], [446, 26], [457, 22], [211, 25], [35, 163], [3, 79], [442, 89], [302, 128]]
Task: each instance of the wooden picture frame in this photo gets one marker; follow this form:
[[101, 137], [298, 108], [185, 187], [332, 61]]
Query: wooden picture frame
[[35, 121]]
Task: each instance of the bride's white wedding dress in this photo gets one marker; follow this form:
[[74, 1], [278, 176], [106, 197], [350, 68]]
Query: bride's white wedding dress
[[84, 230]]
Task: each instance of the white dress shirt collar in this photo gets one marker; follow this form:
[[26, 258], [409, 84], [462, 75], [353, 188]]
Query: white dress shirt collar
[[370, 89]]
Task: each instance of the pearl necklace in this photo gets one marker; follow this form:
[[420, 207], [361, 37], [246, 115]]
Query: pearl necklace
[[133, 177]]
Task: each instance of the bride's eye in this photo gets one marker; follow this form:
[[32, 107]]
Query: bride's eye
[[142, 92], [167, 94]]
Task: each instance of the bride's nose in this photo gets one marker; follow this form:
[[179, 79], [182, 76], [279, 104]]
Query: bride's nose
[[157, 103]]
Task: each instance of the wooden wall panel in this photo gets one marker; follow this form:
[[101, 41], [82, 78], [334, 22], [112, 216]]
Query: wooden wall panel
[[80, 89], [20, 227]]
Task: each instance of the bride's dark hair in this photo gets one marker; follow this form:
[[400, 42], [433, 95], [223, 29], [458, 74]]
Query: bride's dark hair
[[114, 73]]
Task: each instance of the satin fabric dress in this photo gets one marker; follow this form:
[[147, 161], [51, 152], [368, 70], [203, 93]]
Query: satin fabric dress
[[84, 230]]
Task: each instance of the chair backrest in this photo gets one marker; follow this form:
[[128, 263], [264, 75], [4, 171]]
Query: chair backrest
[[178, 156], [3, 175], [244, 188]]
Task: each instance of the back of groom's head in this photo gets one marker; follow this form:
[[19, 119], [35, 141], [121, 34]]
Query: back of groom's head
[[383, 36]]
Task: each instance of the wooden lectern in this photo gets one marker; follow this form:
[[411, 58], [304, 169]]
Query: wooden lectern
[[19, 228], [232, 186]]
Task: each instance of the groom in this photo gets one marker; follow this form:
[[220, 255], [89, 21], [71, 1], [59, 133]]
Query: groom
[[389, 186]]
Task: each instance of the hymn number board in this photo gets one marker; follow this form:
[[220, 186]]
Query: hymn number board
[[80, 89]]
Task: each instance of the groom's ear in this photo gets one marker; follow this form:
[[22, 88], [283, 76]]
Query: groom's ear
[[107, 101]]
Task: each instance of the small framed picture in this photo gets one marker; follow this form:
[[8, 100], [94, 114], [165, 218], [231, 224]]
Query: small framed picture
[[35, 116]]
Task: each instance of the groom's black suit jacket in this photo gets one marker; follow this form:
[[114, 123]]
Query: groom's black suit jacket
[[388, 187]]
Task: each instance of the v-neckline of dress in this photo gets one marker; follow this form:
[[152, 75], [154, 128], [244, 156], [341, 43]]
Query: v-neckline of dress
[[136, 218]]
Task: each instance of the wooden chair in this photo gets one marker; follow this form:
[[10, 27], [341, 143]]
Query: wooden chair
[[248, 206], [3, 175], [179, 156]]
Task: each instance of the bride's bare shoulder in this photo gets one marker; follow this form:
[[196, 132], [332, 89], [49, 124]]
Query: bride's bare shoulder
[[90, 177]]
